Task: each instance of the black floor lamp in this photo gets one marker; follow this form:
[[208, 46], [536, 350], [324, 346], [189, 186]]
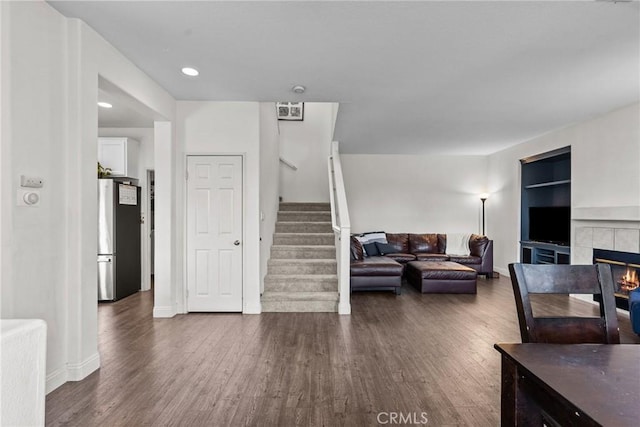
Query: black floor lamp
[[483, 197]]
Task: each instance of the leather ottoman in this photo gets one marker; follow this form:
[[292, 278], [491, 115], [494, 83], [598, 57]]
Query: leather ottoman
[[441, 277], [376, 273]]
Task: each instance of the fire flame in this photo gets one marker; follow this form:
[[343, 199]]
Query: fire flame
[[630, 279]]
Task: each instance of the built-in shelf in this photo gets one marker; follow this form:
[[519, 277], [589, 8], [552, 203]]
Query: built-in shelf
[[548, 184], [544, 253], [545, 183]]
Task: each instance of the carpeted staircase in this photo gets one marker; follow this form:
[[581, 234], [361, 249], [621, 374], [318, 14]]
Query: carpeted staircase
[[301, 275]]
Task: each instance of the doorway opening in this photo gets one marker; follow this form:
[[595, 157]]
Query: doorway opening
[[126, 152]]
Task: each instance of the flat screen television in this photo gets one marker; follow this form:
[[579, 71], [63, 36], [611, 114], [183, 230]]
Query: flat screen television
[[550, 224]]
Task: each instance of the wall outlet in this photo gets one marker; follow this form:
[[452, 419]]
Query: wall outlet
[[30, 181]]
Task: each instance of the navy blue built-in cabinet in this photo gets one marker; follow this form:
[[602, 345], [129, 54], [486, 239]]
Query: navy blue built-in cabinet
[[545, 208]]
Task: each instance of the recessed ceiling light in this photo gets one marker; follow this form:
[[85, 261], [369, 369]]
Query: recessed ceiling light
[[191, 72], [298, 89], [104, 104]]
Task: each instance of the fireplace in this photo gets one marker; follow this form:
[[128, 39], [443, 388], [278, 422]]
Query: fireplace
[[625, 267]]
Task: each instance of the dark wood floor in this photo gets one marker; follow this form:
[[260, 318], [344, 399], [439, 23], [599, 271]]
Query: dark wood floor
[[413, 353]]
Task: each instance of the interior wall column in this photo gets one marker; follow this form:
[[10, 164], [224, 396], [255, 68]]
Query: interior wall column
[[165, 200]]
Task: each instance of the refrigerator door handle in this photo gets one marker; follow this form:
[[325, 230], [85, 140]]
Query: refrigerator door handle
[[106, 277]]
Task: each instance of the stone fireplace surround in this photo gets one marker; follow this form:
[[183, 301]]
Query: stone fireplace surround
[[613, 236], [610, 228], [623, 237], [615, 229]]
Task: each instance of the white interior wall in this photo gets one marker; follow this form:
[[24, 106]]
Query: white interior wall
[[307, 144], [219, 128], [5, 189], [33, 143], [604, 157], [414, 194], [269, 182], [51, 65], [145, 162]]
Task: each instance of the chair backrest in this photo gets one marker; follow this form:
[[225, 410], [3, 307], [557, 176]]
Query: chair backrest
[[596, 279]]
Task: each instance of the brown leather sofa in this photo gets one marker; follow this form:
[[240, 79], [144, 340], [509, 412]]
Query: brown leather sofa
[[386, 271]]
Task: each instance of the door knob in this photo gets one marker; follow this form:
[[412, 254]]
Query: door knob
[[237, 242]]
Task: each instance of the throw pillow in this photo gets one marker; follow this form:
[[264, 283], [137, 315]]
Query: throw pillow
[[375, 236], [385, 248], [362, 240], [357, 253], [371, 249], [371, 237]]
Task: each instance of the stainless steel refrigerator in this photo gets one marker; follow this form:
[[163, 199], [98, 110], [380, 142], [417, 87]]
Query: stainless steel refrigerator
[[118, 240]]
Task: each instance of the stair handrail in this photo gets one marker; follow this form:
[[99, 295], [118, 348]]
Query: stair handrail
[[341, 225], [288, 163]]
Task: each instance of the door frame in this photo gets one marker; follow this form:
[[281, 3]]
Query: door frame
[[147, 247], [185, 206]]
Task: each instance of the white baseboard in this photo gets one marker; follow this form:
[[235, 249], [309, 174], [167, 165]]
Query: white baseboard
[[164, 312], [503, 271], [72, 372], [79, 371], [252, 309], [55, 379]]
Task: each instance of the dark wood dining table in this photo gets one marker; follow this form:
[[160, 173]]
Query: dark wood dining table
[[570, 385]]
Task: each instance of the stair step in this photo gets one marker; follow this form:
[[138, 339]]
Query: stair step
[[301, 283], [303, 252], [310, 206], [309, 216], [299, 307], [303, 227], [300, 302], [300, 296], [301, 266], [306, 239]]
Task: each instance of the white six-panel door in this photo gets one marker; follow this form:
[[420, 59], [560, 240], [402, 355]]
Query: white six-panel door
[[214, 233]]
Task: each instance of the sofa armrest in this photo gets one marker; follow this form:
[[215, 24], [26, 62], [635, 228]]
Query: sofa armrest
[[486, 266]]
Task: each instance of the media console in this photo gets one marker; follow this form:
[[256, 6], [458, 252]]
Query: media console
[[544, 253]]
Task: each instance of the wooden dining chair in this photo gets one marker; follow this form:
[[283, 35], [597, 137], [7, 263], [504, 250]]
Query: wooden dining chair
[[528, 279]]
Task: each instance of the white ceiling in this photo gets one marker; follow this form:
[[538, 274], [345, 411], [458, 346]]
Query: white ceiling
[[412, 77], [126, 111]]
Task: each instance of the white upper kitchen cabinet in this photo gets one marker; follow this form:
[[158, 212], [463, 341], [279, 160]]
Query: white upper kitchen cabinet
[[120, 155]]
